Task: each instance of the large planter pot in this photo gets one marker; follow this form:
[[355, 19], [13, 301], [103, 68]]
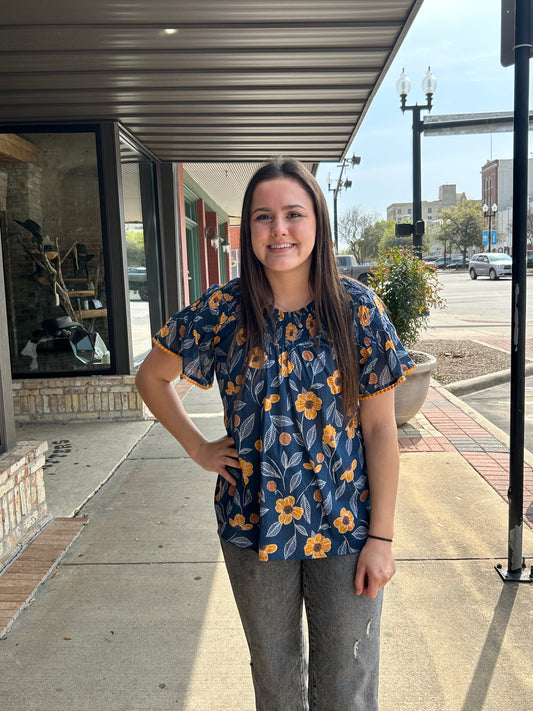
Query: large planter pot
[[410, 395]]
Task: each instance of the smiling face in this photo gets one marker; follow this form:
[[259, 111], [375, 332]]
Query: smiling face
[[283, 227]]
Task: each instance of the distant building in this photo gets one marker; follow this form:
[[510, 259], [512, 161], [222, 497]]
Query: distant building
[[497, 189], [431, 209]]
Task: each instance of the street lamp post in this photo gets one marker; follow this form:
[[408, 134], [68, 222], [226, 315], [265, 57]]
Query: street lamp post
[[489, 213], [340, 183], [428, 86]]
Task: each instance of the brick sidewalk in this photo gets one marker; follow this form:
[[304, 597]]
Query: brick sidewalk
[[443, 427], [20, 580]]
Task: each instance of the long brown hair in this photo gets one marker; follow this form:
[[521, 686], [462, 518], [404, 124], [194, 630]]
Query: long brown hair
[[332, 307]]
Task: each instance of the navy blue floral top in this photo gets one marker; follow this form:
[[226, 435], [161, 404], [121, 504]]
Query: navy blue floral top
[[303, 489]]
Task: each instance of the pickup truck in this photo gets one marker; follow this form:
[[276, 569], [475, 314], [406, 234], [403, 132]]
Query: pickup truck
[[347, 266]]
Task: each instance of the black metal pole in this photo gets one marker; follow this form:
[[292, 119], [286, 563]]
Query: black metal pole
[[417, 179], [335, 221], [518, 316], [489, 215]]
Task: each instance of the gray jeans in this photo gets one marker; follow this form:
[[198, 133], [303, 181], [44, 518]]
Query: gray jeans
[[341, 669]]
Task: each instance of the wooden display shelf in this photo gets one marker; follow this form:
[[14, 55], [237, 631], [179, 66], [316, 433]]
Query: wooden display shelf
[[88, 292], [92, 313]]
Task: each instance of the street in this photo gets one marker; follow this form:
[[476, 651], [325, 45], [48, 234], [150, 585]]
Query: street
[[470, 305], [481, 310]]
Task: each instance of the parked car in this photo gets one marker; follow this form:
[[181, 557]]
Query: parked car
[[529, 258], [347, 266], [137, 281], [455, 263], [443, 262], [491, 264]]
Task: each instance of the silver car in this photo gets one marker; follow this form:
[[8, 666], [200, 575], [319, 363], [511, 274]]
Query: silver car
[[491, 264]]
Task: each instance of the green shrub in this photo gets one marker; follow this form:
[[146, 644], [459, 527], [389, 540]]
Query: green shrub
[[409, 288]]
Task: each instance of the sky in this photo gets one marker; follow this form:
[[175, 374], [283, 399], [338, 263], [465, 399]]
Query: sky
[[460, 40]]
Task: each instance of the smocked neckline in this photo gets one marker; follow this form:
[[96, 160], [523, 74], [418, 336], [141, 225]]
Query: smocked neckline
[[303, 309]]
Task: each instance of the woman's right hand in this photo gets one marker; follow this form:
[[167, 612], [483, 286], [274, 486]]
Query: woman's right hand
[[216, 456]]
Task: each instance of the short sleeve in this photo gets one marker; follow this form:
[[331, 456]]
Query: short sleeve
[[191, 334], [383, 360]]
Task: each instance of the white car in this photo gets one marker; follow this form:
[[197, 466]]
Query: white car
[[491, 264]]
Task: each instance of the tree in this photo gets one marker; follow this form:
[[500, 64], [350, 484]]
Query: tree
[[462, 226], [135, 248], [354, 231]]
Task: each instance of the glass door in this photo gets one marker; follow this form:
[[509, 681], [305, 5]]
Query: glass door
[[142, 248]]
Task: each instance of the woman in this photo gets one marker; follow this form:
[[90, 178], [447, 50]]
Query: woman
[[306, 364]]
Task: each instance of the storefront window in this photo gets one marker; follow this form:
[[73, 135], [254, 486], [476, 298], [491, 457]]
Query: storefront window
[[52, 252]]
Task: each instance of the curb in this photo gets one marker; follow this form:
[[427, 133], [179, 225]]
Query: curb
[[482, 382], [482, 421]]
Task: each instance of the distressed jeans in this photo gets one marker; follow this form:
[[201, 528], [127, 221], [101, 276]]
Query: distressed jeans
[[341, 668]]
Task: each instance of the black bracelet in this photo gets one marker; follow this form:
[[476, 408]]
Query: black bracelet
[[379, 538]]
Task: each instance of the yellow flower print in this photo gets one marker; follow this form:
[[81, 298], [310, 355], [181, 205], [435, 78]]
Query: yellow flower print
[[259, 445], [257, 358], [364, 315], [240, 522], [287, 510], [221, 321], [352, 426], [328, 435], [311, 325], [216, 341], [291, 331], [215, 299], [196, 336], [389, 344], [348, 474], [373, 379], [335, 382], [311, 465], [318, 546], [365, 354], [285, 364], [345, 521], [265, 551], [379, 303], [309, 404], [240, 337], [247, 469], [232, 389], [271, 485], [267, 401], [308, 356], [164, 331], [317, 496], [254, 518]]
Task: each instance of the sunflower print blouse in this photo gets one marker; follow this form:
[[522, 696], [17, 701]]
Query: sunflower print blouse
[[303, 489]]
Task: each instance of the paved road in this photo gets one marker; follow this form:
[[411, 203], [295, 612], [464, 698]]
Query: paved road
[[481, 310]]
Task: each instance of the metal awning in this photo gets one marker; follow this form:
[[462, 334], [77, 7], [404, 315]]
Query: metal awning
[[209, 80]]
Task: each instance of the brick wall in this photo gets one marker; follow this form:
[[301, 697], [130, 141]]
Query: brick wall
[[105, 397], [22, 495]]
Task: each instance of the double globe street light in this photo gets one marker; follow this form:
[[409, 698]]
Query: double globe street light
[[403, 86], [489, 213]]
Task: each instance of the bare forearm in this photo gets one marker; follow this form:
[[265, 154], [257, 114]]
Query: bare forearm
[[382, 460]]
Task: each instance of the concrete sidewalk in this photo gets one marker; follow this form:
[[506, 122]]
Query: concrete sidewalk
[[139, 613]]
